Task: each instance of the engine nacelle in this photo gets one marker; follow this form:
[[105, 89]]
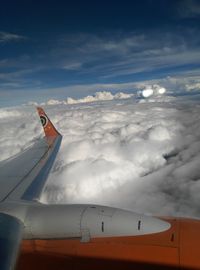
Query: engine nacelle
[[87, 221]]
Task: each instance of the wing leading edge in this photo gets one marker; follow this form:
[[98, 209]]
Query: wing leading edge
[[23, 177]]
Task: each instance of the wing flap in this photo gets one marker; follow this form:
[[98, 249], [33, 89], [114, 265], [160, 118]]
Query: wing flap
[[13, 171]]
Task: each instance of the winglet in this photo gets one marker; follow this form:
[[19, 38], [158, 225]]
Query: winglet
[[49, 129]]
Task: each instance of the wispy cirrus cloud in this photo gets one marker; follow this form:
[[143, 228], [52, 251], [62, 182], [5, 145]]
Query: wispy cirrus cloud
[[10, 37], [93, 62], [73, 66], [127, 53], [189, 8]]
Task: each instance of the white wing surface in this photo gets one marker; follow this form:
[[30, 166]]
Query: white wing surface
[[23, 176]]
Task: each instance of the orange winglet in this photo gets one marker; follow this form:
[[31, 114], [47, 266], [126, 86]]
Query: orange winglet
[[49, 129]]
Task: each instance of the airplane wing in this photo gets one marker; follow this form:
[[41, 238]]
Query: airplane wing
[[22, 178]]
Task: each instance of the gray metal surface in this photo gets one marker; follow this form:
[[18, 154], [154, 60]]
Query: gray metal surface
[[53, 221], [33, 165], [106, 222], [14, 170], [41, 171], [86, 221]]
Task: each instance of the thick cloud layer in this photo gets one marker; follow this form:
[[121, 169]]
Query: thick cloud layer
[[141, 156]]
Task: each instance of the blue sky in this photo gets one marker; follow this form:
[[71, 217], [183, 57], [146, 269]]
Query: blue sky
[[55, 49]]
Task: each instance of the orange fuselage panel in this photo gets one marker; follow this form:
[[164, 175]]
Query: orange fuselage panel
[[175, 248]]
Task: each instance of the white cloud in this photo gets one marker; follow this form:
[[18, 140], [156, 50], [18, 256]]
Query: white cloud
[[54, 102], [6, 113], [183, 82], [150, 90], [192, 86], [147, 92], [98, 96], [141, 156], [73, 66], [9, 37], [161, 90]]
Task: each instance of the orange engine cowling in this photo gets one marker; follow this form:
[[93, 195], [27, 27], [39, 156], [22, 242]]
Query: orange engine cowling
[[175, 248]]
